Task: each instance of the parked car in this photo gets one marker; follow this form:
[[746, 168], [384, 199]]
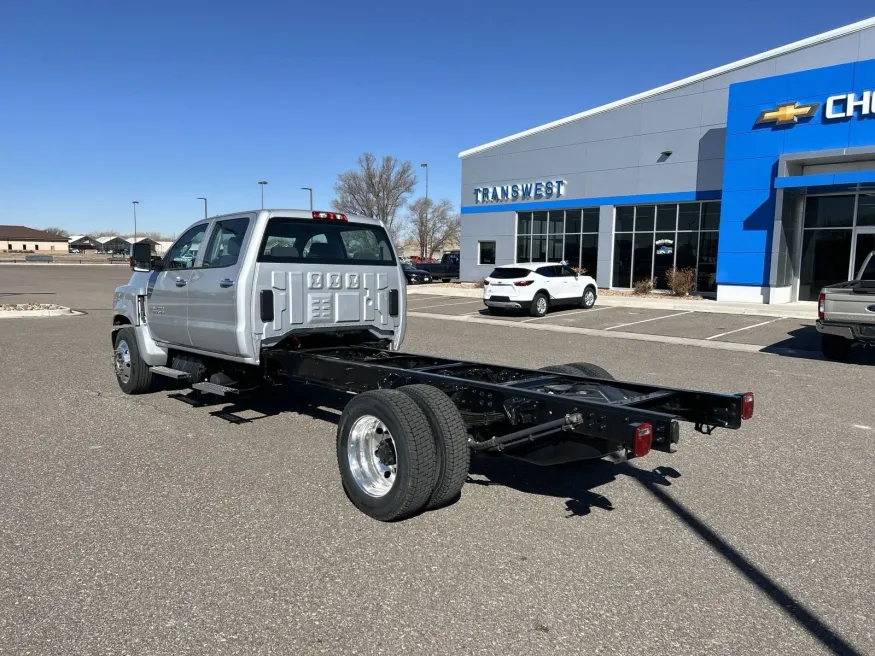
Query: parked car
[[846, 313], [537, 287], [414, 275], [447, 269]]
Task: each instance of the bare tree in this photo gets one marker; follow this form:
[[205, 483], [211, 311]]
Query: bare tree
[[378, 190], [57, 231], [433, 226]]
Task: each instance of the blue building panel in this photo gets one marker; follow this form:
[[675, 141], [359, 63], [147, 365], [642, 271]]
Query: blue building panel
[[820, 82], [756, 143], [743, 268], [741, 237], [751, 173]]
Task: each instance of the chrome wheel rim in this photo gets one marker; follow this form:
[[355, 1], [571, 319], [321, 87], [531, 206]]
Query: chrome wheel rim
[[589, 297], [542, 305], [122, 361], [372, 456]]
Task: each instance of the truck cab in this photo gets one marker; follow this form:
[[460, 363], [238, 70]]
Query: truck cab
[[233, 285]]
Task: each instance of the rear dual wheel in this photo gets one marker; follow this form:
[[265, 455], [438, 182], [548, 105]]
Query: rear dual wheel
[[401, 451]]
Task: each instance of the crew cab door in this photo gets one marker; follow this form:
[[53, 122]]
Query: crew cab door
[[167, 301], [214, 288]]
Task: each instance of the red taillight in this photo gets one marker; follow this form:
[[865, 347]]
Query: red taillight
[[642, 441], [331, 216], [821, 301], [747, 406], [523, 283]]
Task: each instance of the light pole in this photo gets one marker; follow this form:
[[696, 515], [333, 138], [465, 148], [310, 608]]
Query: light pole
[[262, 183], [425, 166], [311, 196], [135, 203], [205, 205]]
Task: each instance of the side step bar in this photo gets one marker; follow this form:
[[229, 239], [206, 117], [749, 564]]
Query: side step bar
[[175, 374], [213, 388]]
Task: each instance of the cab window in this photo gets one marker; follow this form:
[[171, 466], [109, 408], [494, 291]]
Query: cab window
[[325, 242], [225, 243], [184, 252]]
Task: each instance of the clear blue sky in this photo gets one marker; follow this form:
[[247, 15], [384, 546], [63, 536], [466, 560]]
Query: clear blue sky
[[107, 102]]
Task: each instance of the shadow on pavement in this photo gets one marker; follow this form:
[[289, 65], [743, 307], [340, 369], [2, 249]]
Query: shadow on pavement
[[574, 483], [804, 342]]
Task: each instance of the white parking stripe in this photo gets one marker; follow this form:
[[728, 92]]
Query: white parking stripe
[[668, 316], [566, 314], [428, 307], [738, 330]]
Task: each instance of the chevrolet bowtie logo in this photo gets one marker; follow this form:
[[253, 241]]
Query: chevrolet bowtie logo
[[789, 113]]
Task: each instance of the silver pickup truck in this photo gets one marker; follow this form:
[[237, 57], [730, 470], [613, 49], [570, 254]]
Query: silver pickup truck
[[279, 300], [846, 313]]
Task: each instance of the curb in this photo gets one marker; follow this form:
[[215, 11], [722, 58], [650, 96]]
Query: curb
[[23, 314], [712, 307]]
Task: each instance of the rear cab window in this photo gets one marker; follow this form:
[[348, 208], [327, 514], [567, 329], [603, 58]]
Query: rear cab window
[[507, 273], [311, 241]]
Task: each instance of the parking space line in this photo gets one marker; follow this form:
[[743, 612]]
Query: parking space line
[[738, 330], [567, 314], [668, 316], [428, 307]]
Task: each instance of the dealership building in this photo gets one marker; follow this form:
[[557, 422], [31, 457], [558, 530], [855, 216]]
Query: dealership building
[[759, 176]]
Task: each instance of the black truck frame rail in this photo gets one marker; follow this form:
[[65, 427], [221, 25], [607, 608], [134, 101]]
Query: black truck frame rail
[[513, 410]]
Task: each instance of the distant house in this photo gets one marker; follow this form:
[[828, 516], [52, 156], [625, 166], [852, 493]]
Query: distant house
[[22, 238]]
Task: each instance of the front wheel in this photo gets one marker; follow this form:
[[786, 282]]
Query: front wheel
[[835, 348], [539, 305], [386, 455], [131, 371]]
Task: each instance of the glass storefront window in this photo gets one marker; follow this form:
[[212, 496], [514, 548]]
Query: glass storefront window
[[625, 219], [866, 210], [825, 258], [569, 236], [644, 218], [829, 211], [623, 260], [666, 236], [591, 219]]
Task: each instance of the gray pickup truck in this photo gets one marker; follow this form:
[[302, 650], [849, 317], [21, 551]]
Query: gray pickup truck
[[846, 313], [274, 301]]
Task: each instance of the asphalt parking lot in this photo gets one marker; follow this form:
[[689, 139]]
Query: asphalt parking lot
[[770, 333], [144, 525]]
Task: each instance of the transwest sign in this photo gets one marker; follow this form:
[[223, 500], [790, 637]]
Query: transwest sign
[[524, 191]]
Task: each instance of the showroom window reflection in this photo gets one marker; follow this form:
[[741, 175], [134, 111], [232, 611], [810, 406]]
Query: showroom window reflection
[[569, 236], [650, 239]]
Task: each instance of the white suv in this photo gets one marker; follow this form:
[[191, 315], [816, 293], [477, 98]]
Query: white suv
[[536, 286]]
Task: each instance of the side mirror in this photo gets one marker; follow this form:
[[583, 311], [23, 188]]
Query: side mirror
[[157, 263], [141, 257]]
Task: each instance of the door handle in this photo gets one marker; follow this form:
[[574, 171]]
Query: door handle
[[180, 282], [227, 282]]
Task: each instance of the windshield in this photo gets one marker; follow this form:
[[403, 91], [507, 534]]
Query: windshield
[[325, 242], [504, 273]]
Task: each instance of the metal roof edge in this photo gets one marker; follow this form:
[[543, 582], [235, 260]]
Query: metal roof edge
[[741, 63]]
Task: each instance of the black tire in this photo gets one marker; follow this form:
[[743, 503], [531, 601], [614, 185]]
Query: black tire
[[451, 442], [539, 309], [132, 373], [414, 455], [580, 369], [835, 348], [588, 298]]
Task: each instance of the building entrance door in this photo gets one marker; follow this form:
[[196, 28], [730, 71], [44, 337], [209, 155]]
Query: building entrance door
[[864, 243]]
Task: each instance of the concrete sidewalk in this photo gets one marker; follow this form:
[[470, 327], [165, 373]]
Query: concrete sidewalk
[[800, 310]]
